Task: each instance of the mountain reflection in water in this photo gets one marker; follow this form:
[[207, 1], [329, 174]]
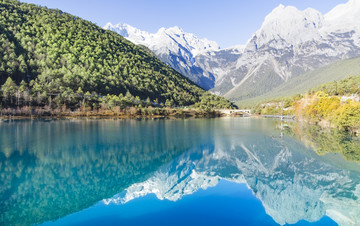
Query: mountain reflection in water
[[51, 169]]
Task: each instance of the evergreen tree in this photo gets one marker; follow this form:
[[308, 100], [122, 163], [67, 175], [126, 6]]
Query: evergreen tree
[[9, 90]]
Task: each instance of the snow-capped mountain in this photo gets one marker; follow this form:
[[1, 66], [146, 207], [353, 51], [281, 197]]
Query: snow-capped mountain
[[290, 42], [291, 184], [174, 47], [289, 25]]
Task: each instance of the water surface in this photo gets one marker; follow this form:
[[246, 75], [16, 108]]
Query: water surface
[[225, 171]]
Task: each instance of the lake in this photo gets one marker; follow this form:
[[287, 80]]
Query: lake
[[226, 171]]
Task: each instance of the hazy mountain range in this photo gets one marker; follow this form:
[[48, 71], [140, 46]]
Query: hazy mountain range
[[289, 43]]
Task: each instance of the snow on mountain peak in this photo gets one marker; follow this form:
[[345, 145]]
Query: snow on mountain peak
[[175, 30], [135, 35], [165, 40], [344, 17], [290, 24], [188, 41]]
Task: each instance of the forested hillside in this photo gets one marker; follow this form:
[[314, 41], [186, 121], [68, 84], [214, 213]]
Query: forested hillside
[[51, 58]]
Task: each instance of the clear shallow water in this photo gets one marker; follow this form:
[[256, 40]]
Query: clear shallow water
[[170, 172]]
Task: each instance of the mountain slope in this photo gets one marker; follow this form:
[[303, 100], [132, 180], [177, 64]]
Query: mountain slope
[[302, 83], [174, 47], [60, 56]]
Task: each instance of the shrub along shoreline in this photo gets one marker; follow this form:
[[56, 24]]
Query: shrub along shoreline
[[126, 113]]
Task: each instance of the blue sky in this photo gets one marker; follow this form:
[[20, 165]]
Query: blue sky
[[228, 22]]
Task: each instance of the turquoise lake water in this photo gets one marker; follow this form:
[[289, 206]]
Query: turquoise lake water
[[227, 171]]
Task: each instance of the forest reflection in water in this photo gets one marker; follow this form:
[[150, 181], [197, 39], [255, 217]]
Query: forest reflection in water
[[50, 169], [324, 141]]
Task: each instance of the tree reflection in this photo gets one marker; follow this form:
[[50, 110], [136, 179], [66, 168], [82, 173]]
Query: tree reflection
[[328, 141]]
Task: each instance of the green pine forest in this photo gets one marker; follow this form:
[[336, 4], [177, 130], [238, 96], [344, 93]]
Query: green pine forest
[[54, 60]]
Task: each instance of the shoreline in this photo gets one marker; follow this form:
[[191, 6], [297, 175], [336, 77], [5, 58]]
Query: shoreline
[[188, 113], [127, 113], [7, 118], [173, 114]]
